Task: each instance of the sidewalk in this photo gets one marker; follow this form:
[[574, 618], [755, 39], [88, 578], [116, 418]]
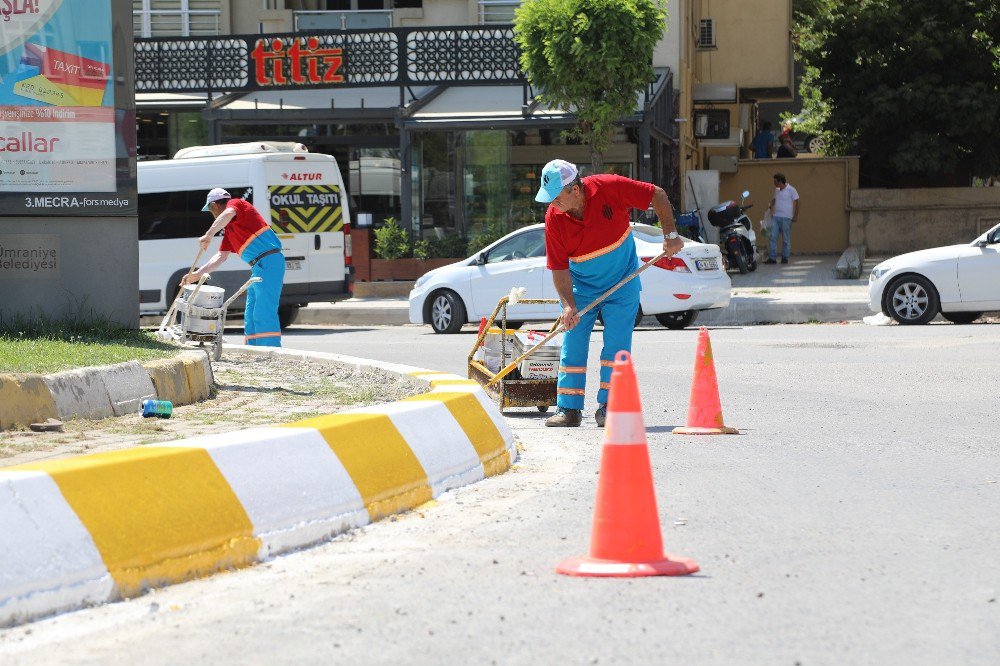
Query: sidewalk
[[802, 291]]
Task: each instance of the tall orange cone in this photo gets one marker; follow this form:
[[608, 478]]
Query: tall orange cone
[[625, 539], [705, 410]]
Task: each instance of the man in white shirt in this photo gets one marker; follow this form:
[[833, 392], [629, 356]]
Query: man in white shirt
[[784, 209]]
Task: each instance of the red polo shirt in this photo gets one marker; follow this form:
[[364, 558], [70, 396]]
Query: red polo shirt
[[243, 228], [605, 218]]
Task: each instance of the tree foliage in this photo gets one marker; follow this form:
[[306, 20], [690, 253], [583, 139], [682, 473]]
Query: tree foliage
[[916, 83], [591, 58]]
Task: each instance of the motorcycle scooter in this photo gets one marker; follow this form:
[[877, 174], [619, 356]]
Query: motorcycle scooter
[[736, 236]]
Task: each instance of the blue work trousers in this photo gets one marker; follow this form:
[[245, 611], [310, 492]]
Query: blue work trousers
[[260, 322], [783, 226], [619, 311]]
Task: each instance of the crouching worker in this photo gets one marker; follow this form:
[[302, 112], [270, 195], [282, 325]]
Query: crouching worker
[[589, 249], [246, 233]]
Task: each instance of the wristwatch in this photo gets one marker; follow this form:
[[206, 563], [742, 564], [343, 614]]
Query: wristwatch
[[672, 235]]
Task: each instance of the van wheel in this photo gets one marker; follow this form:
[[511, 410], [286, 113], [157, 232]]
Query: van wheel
[[286, 315], [447, 312]]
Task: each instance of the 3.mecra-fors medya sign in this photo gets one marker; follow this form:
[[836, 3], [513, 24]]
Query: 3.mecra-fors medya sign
[[295, 60]]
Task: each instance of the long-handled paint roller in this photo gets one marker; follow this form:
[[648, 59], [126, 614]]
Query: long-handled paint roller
[[161, 333], [558, 328]]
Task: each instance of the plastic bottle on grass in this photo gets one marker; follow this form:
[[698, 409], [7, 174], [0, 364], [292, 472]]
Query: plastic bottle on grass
[[161, 409]]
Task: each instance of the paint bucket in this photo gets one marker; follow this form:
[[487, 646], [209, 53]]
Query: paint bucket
[[209, 298]]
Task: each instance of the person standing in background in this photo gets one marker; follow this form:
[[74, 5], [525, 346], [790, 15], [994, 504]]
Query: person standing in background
[[763, 143], [784, 209]]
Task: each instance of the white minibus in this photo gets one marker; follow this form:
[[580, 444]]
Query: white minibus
[[301, 193]]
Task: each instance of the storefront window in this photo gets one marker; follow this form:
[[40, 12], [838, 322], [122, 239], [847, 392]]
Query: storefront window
[[373, 183], [434, 192]]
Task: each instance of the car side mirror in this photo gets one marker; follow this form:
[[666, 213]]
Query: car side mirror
[[481, 259], [993, 238]]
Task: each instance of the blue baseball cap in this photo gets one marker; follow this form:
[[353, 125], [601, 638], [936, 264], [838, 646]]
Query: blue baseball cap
[[556, 175]]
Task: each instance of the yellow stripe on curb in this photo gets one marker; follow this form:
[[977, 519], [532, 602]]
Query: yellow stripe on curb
[[378, 459], [157, 515], [477, 425], [25, 400], [169, 380]]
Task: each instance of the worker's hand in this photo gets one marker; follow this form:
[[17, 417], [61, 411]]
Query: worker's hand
[[569, 317], [190, 278], [204, 241], [672, 245]]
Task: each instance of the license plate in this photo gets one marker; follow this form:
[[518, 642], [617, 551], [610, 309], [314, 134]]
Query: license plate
[[293, 265], [706, 264]]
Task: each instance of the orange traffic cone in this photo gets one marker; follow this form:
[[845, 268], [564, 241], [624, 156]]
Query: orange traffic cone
[[625, 539], [705, 410]]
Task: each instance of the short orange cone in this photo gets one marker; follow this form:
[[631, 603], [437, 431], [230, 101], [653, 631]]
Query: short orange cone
[[625, 539], [705, 410]]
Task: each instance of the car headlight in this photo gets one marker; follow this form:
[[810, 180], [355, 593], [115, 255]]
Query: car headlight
[[878, 272], [421, 280]]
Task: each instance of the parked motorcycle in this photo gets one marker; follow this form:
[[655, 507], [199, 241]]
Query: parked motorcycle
[[736, 236]]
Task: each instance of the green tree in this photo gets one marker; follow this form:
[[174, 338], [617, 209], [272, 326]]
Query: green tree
[[590, 58], [915, 82]]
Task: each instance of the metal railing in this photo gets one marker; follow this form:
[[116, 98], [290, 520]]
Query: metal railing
[[176, 22], [361, 19]]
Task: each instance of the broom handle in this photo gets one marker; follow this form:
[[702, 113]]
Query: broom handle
[[163, 324], [559, 326]]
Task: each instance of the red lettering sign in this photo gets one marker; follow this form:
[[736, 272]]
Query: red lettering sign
[[300, 62]]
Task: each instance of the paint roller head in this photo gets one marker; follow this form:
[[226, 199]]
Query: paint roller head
[[516, 294]]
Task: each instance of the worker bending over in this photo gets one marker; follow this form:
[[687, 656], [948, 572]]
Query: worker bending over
[[589, 246], [247, 234]]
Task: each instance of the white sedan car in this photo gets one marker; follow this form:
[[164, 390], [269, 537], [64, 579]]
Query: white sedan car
[[673, 290], [959, 281]]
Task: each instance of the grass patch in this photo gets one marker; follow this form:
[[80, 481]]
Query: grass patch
[[43, 345]]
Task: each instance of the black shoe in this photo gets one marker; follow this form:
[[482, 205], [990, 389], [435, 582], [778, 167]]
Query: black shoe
[[770, 261], [565, 418], [601, 415], [784, 260]]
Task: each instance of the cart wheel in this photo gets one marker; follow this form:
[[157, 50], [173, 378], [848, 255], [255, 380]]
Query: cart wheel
[[543, 408]]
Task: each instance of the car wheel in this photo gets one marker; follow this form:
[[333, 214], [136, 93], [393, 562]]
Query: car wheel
[[447, 313], [961, 317], [638, 317], [677, 320], [817, 144], [286, 315], [911, 299]]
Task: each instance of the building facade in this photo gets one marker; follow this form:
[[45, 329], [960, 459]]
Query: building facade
[[462, 147]]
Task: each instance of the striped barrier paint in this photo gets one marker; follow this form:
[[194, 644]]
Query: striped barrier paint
[[108, 526]]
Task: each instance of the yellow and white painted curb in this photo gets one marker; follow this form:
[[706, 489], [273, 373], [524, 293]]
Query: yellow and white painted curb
[[107, 526]]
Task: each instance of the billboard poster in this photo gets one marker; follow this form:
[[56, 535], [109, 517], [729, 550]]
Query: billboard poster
[[60, 131]]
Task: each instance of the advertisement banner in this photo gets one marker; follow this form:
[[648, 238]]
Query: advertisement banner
[[60, 131]]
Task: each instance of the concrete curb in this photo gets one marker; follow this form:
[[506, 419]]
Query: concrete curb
[[108, 526], [105, 391]]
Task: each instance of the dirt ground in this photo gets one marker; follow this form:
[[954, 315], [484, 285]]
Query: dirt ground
[[250, 391]]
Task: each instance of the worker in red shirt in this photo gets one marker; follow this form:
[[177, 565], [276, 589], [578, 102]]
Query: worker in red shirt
[[247, 234], [589, 249]]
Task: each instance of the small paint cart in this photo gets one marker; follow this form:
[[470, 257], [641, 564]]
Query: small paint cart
[[200, 324], [508, 393]]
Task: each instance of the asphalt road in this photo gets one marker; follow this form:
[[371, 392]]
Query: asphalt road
[[854, 521]]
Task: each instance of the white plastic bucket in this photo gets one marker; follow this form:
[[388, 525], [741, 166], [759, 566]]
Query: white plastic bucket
[[207, 297]]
